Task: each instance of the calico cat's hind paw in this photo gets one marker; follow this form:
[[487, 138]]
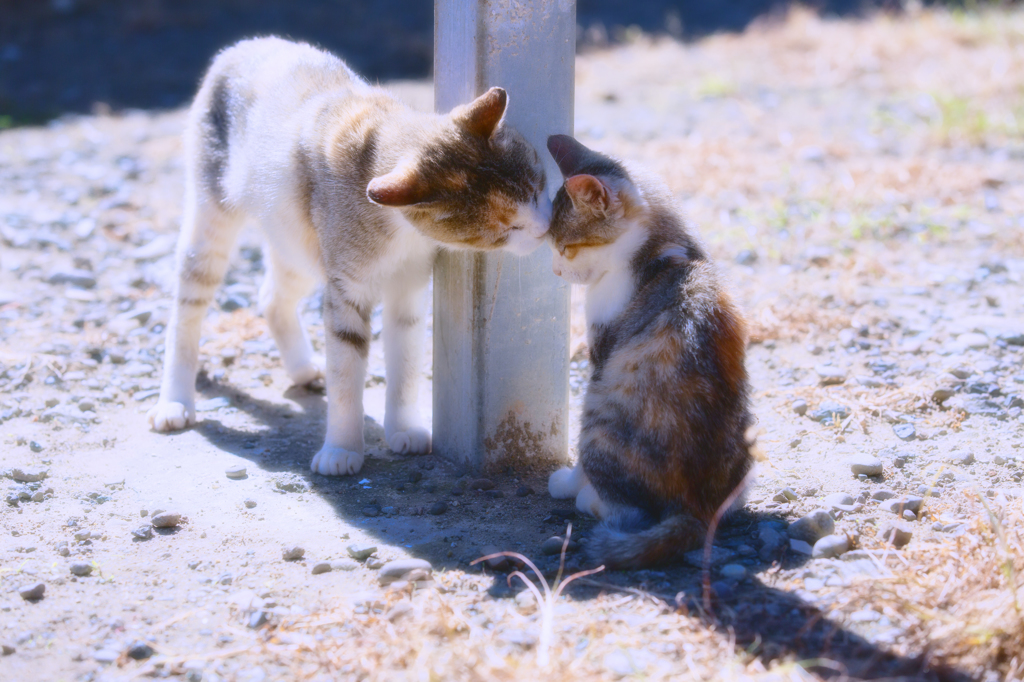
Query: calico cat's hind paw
[[565, 483], [170, 417], [589, 502], [415, 440], [336, 461]]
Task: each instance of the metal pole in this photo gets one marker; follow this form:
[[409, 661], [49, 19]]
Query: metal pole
[[501, 323]]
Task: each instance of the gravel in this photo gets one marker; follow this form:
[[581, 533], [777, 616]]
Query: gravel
[[143, 532], [166, 520], [868, 465], [292, 553], [81, 568], [830, 546], [812, 527], [898, 534], [361, 552], [140, 651], [398, 569], [32, 591]]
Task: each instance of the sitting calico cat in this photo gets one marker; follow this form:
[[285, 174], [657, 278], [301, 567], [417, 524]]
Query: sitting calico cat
[[351, 188], [662, 443]]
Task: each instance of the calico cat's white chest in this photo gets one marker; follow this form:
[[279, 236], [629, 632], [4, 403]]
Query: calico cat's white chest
[[608, 297]]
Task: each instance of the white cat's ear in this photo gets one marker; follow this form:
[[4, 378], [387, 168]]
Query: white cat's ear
[[400, 187], [481, 116], [588, 193], [567, 153]]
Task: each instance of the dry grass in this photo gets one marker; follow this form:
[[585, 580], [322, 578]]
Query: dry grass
[[959, 600]]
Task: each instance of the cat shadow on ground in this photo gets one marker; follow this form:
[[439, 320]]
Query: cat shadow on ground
[[399, 507]]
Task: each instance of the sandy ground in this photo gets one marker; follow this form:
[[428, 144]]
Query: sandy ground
[[861, 184]]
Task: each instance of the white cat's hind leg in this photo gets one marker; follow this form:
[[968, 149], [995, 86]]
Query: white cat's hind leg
[[566, 482], [282, 289], [207, 236], [404, 333]]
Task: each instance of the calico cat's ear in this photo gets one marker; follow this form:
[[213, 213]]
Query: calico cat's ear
[[568, 153], [587, 192], [400, 187], [481, 116]]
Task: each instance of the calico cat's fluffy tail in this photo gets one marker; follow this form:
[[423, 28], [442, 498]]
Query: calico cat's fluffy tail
[[632, 539]]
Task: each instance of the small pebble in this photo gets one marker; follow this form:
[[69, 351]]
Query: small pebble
[[361, 552], [7, 649], [553, 546], [438, 508], [524, 491], [898, 534], [905, 431], [881, 495], [830, 546], [371, 511], [81, 569], [800, 546], [373, 563], [166, 520], [235, 471], [812, 527], [829, 375], [526, 601], [140, 651], [292, 553], [322, 567], [481, 484], [799, 406], [909, 515], [394, 571], [734, 571], [838, 499], [249, 503], [143, 532], [868, 465], [32, 591]]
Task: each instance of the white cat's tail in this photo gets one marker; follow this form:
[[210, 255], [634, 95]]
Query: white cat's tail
[[628, 540]]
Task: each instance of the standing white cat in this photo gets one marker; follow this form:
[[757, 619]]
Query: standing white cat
[[350, 188]]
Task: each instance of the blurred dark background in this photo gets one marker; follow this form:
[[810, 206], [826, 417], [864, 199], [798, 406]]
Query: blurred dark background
[[60, 56]]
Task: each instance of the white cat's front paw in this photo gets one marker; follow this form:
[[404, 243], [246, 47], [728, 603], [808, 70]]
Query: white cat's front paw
[[336, 461], [311, 374], [170, 416], [414, 441], [564, 483]]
